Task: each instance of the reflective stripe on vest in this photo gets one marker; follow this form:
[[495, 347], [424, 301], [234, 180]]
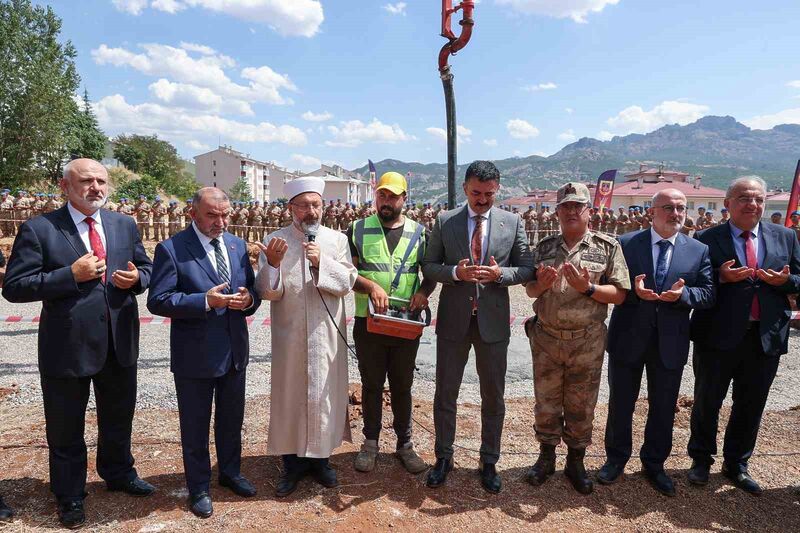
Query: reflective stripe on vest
[[376, 264]]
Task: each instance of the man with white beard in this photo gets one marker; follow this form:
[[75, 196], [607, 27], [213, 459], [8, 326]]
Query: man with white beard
[[305, 271]]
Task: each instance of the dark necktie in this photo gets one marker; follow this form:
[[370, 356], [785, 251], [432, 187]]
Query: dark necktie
[[222, 268], [476, 247], [96, 243], [661, 264], [752, 262]]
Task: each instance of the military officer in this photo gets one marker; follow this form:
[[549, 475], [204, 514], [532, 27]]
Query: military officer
[[173, 218], [579, 273], [529, 217], [143, 210], [7, 213], [159, 220]]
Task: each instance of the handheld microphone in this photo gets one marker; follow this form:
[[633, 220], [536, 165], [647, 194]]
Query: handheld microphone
[[311, 231]]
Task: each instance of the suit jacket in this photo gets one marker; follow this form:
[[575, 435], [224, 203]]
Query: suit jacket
[[74, 327], [723, 326], [203, 344], [448, 245], [632, 323]]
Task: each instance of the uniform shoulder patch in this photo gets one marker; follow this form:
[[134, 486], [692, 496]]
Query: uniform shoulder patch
[[607, 238]]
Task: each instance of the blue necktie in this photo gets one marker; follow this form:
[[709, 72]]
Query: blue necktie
[[661, 264]]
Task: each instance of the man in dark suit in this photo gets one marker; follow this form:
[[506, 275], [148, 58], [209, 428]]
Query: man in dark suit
[[740, 340], [89, 330], [671, 275], [194, 273], [476, 252]]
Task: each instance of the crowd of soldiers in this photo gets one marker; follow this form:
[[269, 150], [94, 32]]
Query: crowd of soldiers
[[251, 221]]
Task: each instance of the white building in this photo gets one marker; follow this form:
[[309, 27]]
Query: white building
[[344, 185], [224, 166]]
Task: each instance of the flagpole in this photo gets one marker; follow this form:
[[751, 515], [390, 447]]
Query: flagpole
[[794, 197]]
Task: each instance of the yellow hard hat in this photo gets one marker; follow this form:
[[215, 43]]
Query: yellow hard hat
[[393, 182]]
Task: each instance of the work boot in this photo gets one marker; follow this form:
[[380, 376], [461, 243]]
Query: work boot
[[412, 462], [544, 467], [576, 472], [365, 460]]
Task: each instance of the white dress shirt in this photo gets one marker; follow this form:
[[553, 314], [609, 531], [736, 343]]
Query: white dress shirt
[[205, 242], [471, 224], [655, 238], [83, 228]]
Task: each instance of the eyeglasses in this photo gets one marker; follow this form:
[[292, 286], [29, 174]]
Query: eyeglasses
[[307, 207], [572, 207], [750, 199], [669, 209]]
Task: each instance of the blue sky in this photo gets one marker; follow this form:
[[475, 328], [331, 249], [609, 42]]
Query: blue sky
[[301, 82]]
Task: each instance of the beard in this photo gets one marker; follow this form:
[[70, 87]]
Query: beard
[[388, 214]]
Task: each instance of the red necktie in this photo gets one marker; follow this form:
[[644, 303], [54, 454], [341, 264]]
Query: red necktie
[[476, 247], [752, 262], [97, 244]]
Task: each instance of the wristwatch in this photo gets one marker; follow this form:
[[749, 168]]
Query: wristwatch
[[590, 290]]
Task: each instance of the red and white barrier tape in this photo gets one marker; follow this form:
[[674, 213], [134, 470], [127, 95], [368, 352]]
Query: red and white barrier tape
[[159, 320]]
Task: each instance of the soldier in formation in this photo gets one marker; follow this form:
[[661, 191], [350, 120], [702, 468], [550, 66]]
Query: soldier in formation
[[143, 212], [159, 211]]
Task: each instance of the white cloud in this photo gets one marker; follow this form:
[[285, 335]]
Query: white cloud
[[197, 145], [490, 142], [316, 117], [396, 9], [208, 70], [569, 110], [199, 48], [352, 133], [766, 122], [115, 116], [169, 6], [464, 134], [606, 135], [287, 17], [576, 10], [134, 7], [521, 129], [567, 136], [548, 86], [795, 84], [305, 162], [634, 119], [189, 96]]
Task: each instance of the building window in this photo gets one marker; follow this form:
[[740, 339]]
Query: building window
[[214, 162], [712, 205], [690, 205], [215, 173]]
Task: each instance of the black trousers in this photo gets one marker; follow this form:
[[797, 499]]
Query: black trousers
[[380, 356], [65, 401], [751, 373], [490, 360], [663, 386], [194, 411]]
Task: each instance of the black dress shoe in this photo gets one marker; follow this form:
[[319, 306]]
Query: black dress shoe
[[135, 487], [5, 511], [660, 481], [490, 479], [741, 478], [287, 482], [325, 475], [609, 473], [239, 485], [71, 514], [438, 474], [200, 504], [698, 473]]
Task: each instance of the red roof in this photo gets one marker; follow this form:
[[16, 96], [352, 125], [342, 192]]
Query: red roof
[[631, 188]]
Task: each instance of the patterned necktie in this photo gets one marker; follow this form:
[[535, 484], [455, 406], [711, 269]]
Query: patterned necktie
[[477, 240], [752, 262], [222, 268], [661, 264], [96, 243]]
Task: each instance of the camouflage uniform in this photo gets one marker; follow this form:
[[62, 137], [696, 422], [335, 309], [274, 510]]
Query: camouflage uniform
[[256, 223], [125, 208], [142, 210], [529, 217], [187, 217], [50, 205], [22, 209], [7, 215], [37, 207], [159, 221], [568, 339], [174, 218], [286, 217], [328, 217], [241, 221], [273, 217]]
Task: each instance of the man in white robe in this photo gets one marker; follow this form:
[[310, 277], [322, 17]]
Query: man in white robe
[[302, 269]]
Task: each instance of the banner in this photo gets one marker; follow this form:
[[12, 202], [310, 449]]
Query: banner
[[794, 198], [604, 189], [372, 174]]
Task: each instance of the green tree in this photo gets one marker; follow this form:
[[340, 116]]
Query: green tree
[[240, 191], [85, 138], [37, 82], [131, 189], [147, 154]]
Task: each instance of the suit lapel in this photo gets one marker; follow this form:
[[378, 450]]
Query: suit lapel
[[675, 262], [647, 267], [230, 247], [196, 249], [495, 234], [769, 246], [110, 231], [725, 242], [461, 232], [67, 227]]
